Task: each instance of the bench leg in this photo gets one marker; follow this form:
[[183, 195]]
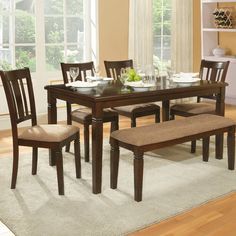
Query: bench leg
[[138, 176], [219, 142], [205, 148], [114, 164], [193, 146], [231, 148]]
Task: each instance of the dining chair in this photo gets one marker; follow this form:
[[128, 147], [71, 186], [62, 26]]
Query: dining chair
[[211, 71], [21, 103], [113, 69], [83, 115]]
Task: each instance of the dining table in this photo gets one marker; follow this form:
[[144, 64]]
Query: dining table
[[114, 93]]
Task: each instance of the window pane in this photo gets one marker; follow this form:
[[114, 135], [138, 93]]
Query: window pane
[[4, 5], [54, 56], [54, 30], [26, 5], [24, 27], [74, 7], [74, 54], [4, 29], [75, 28], [5, 58], [25, 57], [53, 7]]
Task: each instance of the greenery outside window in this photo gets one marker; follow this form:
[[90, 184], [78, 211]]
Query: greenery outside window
[[162, 11]]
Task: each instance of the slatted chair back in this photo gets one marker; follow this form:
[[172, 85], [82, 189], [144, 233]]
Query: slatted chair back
[[213, 71], [20, 95], [85, 68], [113, 68]]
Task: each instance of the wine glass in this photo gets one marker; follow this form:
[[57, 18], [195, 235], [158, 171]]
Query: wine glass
[[74, 72], [97, 71]]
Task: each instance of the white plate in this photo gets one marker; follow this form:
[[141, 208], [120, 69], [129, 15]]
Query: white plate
[[105, 80], [93, 78], [186, 75], [139, 85], [81, 85], [185, 80]]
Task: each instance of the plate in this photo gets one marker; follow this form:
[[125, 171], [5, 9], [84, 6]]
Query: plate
[[93, 78], [139, 85], [105, 80], [82, 85], [185, 80], [186, 75]]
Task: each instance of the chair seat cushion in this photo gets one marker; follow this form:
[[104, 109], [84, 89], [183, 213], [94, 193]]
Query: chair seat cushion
[[85, 114], [194, 108], [48, 133], [137, 108], [171, 130]]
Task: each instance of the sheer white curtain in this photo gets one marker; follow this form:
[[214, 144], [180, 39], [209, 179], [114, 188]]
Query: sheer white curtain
[[182, 35], [140, 32]]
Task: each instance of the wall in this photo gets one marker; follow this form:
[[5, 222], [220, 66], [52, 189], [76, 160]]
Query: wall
[[113, 31]]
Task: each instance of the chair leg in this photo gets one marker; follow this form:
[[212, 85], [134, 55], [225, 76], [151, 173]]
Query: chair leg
[[69, 121], [77, 157], [133, 122], [205, 148], [60, 177], [231, 148], [15, 166], [114, 164], [193, 146], [157, 117], [138, 176], [219, 146], [86, 142], [114, 125], [34, 161]]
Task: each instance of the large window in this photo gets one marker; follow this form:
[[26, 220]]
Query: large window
[[42, 33], [162, 33]]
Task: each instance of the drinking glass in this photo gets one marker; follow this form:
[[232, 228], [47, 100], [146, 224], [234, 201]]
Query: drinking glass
[[74, 72], [150, 77]]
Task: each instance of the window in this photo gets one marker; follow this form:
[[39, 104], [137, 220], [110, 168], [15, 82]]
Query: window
[[17, 34], [162, 33], [41, 34]]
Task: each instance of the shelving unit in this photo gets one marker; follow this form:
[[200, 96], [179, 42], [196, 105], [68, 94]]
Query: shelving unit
[[210, 40]]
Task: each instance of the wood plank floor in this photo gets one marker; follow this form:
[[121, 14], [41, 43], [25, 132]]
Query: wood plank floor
[[217, 218]]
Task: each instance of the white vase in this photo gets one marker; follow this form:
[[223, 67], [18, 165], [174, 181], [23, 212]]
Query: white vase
[[218, 52]]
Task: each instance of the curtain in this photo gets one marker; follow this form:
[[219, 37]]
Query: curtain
[[140, 32], [182, 36]]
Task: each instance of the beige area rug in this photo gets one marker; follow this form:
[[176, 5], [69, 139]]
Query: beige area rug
[[174, 181]]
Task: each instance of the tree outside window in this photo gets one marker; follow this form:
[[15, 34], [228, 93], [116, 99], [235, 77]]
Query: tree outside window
[[162, 34]]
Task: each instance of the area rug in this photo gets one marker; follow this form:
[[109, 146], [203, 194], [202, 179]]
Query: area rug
[[174, 181]]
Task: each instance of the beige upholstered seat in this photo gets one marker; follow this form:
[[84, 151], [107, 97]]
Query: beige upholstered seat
[[195, 108], [171, 130], [85, 114], [48, 133]]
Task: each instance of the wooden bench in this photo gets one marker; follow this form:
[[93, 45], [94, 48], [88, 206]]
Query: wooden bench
[[147, 138]]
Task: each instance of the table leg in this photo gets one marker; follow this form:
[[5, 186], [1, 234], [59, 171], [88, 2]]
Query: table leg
[[97, 141], [52, 119], [165, 110], [220, 110]]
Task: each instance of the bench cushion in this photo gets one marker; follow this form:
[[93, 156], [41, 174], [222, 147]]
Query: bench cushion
[[171, 130], [195, 108]]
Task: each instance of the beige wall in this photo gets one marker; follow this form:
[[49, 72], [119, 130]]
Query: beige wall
[[113, 31]]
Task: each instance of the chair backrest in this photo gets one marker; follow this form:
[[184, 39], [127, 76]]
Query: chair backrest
[[214, 70], [85, 68], [20, 96], [113, 68]]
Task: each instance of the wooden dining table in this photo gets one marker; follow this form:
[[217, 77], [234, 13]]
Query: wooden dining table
[[113, 94]]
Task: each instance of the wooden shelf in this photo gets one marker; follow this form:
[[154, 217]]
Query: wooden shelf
[[218, 30], [216, 1]]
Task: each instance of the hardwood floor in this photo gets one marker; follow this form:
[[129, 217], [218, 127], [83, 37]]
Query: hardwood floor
[[216, 218]]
